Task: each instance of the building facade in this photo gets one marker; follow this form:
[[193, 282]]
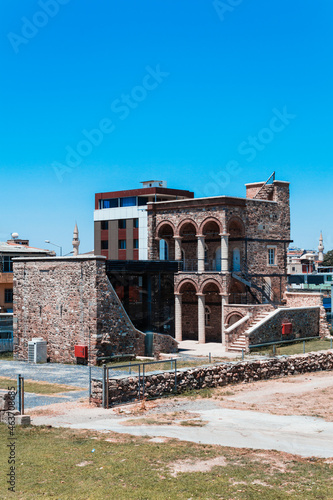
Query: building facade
[[9, 250], [120, 219], [233, 251]]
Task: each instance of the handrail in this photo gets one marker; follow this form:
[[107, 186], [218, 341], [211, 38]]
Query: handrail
[[265, 184]]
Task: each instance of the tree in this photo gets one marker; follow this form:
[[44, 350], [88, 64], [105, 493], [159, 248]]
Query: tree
[[328, 259]]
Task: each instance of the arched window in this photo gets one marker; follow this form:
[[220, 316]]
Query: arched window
[[207, 316]]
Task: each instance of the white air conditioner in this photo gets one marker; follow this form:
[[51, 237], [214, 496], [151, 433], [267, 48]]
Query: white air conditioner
[[37, 351]]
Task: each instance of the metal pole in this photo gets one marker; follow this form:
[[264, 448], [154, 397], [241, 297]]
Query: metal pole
[[331, 342], [22, 395], [274, 350], [104, 382], [175, 376], [242, 354], [210, 357], [107, 388], [139, 381], [143, 380], [89, 383], [130, 369], [19, 392], [171, 365], [303, 346]]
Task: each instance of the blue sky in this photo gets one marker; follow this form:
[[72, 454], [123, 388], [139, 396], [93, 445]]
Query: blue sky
[[178, 91]]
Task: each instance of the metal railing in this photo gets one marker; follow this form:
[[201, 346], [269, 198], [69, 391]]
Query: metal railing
[[290, 341], [142, 373]]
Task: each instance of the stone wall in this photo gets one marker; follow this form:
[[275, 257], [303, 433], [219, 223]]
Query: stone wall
[[295, 299], [125, 388], [164, 343], [304, 320], [69, 301]]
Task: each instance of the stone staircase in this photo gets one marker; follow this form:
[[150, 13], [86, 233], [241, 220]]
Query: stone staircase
[[241, 342]]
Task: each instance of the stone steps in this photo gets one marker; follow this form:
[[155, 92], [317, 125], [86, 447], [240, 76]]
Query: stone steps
[[240, 343]]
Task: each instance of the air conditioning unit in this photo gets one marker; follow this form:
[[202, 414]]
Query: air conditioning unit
[[37, 351]]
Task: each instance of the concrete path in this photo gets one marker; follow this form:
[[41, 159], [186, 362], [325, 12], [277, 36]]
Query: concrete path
[[305, 436], [217, 350]]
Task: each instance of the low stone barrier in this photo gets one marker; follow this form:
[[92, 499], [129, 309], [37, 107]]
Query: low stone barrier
[[125, 388]]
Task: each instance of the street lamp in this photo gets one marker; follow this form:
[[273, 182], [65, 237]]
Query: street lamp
[[49, 242]]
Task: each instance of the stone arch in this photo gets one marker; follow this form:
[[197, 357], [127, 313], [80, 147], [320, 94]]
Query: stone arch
[[233, 317], [208, 220], [236, 227], [183, 223], [210, 281], [166, 225], [187, 281], [236, 292]]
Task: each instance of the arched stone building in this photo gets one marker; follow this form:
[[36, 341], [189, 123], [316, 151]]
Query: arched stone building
[[232, 252]]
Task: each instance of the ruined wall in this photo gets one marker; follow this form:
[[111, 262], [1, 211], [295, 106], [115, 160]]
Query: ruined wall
[[123, 389], [69, 301], [305, 322], [294, 299]]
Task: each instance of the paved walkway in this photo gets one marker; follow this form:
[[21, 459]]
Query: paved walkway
[[217, 350]]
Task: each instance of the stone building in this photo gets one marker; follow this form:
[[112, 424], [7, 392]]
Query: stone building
[[233, 253]]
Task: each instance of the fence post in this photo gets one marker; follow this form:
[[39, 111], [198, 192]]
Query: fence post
[[22, 395], [274, 350], [331, 342], [107, 388], [19, 392], [139, 382], [210, 357], [242, 354], [130, 369], [103, 387], [303, 346], [89, 384], [175, 376], [143, 381]]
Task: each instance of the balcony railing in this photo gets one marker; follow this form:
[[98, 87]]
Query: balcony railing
[[191, 266]]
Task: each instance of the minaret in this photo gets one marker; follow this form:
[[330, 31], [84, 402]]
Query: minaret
[[321, 249], [76, 241]]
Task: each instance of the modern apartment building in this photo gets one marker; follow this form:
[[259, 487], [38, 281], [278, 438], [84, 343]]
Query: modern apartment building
[[120, 219]]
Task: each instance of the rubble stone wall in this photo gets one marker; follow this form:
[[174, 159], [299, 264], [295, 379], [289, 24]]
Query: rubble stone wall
[[294, 299], [67, 302], [125, 388]]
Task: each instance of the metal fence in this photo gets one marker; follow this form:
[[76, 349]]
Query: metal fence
[[142, 373], [6, 345]]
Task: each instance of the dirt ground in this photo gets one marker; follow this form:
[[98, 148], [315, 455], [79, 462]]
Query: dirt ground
[[307, 394]]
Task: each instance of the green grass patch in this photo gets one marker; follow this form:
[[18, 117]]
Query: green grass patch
[[68, 464], [6, 356], [294, 348], [38, 387]]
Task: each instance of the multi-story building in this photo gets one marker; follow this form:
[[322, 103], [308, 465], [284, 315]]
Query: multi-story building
[[120, 219], [8, 250], [233, 251]]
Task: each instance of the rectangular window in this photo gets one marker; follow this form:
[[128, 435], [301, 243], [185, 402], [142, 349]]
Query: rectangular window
[[112, 203], [142, 200], [122, 224], [129, 201], [136, 223], [104, 225], [122, 245], [135, 243], [104, 244], [7, 264], [8, 295], [271, 256]]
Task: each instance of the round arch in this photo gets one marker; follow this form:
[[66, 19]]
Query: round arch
[[210, 281], [209, 220], [183, 223], [236, 227], [187, 282], [233, 317], [165, 224]]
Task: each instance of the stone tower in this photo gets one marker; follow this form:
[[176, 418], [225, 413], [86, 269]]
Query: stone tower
[[321, 248], [76, 241]]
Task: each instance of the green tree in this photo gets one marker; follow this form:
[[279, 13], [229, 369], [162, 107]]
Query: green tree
[[328, 259]]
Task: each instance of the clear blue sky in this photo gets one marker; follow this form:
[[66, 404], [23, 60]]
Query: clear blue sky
[[187, 86]]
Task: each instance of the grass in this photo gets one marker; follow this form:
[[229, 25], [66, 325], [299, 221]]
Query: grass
[[6, 356], [294, 348], [38, 387], [128, 467]]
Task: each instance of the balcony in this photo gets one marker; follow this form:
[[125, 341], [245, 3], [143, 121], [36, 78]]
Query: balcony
[[191, 266]]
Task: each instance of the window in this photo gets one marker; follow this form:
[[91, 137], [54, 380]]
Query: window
[[9, 295], [271, 256], [293, 268], [112, 203], [136, 223], [104, 225], [136, 243], [122, 245], [104, 244], [122, 224], [129, 201], [142, 200], [7, 264], [207, 316]]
